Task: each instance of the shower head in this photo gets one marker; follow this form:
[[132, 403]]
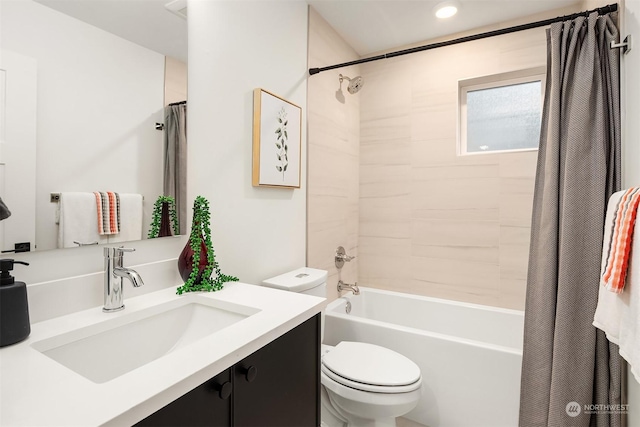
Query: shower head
[[355, 84]]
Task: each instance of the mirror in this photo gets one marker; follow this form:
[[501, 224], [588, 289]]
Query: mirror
[[94, 78]]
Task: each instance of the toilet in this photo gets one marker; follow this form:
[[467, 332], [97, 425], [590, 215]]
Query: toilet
[[363, 385]]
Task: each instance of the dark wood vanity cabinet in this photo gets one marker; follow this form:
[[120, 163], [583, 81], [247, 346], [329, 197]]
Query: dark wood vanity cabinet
[[209, 404], [278, 385]]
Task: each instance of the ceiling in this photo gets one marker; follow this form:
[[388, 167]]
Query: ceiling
[[371, 25], [367, 25], [144, 22]]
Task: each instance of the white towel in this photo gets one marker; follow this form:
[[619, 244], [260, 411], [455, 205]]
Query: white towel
[[78, 220], [130, 218], [618, 315]]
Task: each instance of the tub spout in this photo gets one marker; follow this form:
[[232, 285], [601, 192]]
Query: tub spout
[[348, 287]]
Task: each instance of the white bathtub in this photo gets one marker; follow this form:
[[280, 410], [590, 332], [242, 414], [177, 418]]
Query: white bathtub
[[470, 355]]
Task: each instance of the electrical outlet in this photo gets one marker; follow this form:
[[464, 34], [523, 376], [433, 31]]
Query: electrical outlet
[[23, 247]]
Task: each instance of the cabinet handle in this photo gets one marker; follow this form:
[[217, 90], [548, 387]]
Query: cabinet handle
[[224, 390], [250, 373]]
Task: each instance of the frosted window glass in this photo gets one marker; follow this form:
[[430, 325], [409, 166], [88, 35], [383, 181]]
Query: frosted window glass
[[504, 118]]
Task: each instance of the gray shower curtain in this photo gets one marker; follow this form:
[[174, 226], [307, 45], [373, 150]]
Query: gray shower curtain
[[566, 359], [175, 159]]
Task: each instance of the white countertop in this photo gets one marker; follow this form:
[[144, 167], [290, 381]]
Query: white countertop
[[38, 391]]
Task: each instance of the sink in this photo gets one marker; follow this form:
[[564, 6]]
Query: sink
[[113, 347]]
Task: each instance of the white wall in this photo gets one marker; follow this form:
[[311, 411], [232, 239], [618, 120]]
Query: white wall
[[631, 147], [235, 47], [98, 99]]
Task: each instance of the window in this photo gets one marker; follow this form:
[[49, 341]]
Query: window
[[500, 112]]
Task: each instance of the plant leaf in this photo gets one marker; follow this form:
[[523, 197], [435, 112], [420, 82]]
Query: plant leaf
[[279, 168], [285, 134], [279, 146], [285, 167]]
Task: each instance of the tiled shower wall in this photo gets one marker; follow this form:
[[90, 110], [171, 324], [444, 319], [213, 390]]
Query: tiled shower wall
[[333, 143], [385, 180], [433, 222]]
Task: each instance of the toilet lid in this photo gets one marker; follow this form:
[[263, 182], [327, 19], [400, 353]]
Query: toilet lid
[[371, 364]]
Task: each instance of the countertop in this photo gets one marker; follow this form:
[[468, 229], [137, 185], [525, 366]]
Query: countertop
[[38, 391]]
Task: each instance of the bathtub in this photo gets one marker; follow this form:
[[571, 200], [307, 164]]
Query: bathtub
[[470, 355]]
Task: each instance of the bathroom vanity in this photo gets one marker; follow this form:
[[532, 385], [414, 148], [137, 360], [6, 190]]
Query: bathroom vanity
[[278, 386], [160, 362]]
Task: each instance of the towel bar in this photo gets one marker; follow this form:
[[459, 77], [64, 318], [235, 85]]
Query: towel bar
[[84, 244], [55, 197]]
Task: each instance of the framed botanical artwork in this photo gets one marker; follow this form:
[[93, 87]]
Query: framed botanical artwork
[[277, 140]]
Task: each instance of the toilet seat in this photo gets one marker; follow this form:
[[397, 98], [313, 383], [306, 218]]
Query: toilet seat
[[371, 368]]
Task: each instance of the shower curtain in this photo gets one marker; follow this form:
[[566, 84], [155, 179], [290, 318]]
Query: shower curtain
[[175, 159], [567, 362]]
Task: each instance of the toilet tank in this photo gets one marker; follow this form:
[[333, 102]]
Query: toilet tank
[[304, 280]]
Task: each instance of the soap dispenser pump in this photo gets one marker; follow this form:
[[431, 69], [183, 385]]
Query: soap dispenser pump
[[14, 307]]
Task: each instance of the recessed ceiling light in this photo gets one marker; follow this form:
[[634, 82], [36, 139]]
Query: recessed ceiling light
[[446, 9]]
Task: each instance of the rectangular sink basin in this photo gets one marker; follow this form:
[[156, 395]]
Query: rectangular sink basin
[[107, 350]]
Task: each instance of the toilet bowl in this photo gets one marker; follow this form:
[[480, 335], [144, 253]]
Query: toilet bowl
[[363, 385], [369, 385]]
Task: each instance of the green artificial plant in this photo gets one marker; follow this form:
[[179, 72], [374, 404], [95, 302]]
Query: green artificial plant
[[156, 218], [201, 229]]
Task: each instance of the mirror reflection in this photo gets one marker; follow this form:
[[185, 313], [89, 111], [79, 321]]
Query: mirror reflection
[[93, 120]]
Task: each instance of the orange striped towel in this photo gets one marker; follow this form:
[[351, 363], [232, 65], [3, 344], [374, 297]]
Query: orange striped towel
[[108, 204], [624, 219]]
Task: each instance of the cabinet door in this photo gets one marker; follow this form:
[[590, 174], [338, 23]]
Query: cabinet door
[[279, 385], [206, 405]]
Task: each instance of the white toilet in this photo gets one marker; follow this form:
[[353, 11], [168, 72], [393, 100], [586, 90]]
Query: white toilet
[[363, 385]]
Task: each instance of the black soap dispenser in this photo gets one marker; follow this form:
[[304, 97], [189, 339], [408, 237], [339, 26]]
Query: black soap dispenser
[[14, 307]]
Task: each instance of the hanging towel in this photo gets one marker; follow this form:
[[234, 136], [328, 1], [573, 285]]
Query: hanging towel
[[618, 315], [78, 220], [130, 218], [618, 245], [4, 211], [108, 212]]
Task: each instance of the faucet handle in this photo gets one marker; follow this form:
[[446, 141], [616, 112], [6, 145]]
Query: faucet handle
[[342, 257], [116, 252]]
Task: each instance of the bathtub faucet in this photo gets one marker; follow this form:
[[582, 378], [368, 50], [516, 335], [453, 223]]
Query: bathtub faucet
[[342, 257], [348, 287]]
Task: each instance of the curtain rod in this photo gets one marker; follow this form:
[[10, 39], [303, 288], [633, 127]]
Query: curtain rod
[[601, 11]]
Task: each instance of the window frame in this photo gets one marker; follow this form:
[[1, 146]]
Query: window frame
[[530, 75]]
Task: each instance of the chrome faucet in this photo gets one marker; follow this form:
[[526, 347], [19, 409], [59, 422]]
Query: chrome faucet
[[348, 287], [114, 272]]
